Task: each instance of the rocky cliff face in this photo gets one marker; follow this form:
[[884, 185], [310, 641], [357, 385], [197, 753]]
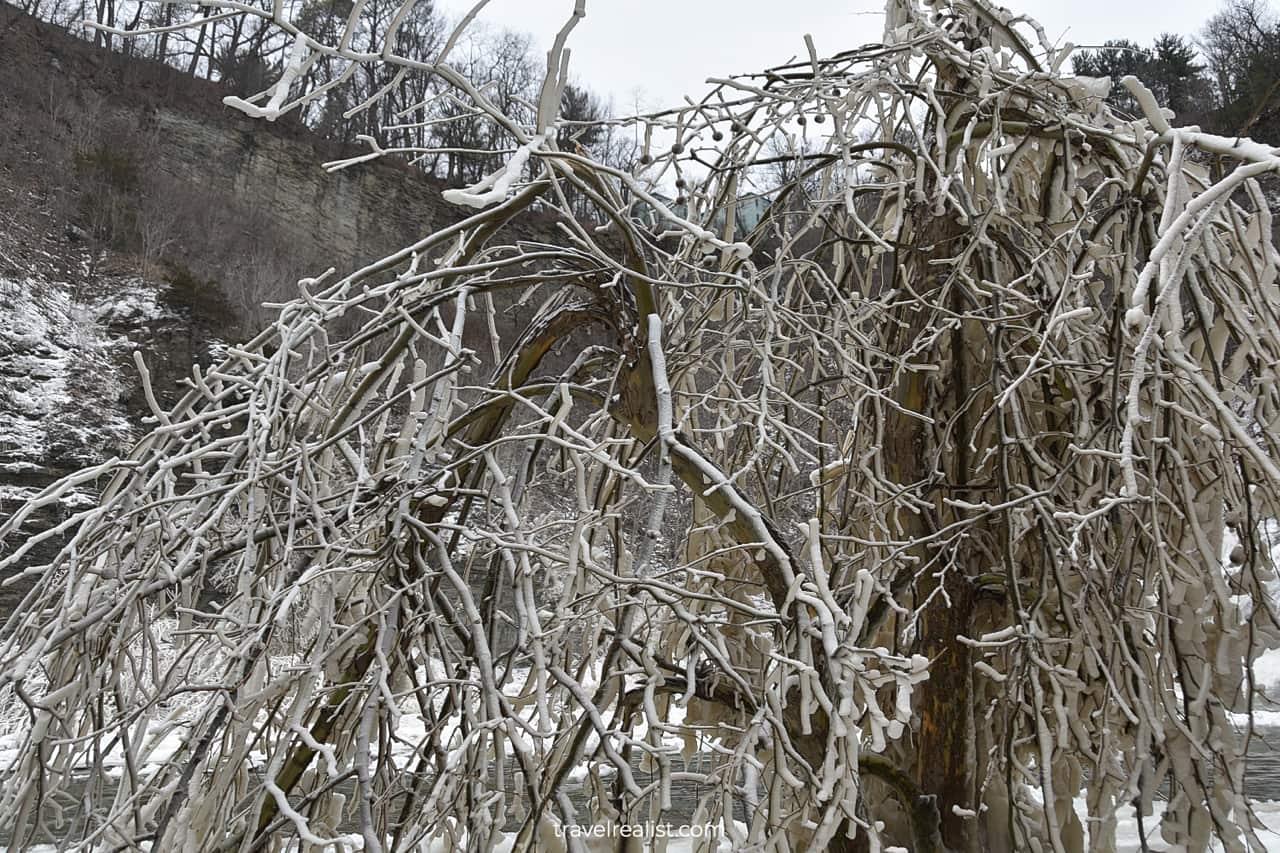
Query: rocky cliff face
[[205, 186], [337, 219], [66, 338], [60, 94], [137, 213]]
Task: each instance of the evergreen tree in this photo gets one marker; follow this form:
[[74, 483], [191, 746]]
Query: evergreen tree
[[1117, 58]]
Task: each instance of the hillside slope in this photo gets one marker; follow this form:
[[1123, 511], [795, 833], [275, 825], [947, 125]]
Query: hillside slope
[[139, 213]]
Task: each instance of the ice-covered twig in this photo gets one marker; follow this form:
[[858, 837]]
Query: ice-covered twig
[[496, 187]]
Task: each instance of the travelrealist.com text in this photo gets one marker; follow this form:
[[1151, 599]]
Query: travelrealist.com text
[[636, 830]]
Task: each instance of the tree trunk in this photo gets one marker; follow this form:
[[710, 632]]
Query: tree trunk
[[944, 761], [195, 54], [932, 462]]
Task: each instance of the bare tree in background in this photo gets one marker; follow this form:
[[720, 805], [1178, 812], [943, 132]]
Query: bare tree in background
[[353, 100], [974, 452], [1242, 46]]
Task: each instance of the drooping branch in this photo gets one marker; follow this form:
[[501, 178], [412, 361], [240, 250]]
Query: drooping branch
[[925, 474]]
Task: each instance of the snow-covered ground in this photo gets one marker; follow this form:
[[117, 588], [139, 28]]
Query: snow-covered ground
[[66, 370], [712, 840], [411, 730], [66, 313], [61, 384], [1266, 672], [63, 355]]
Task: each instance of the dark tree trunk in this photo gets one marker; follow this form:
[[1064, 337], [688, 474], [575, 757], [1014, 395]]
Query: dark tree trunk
[[932, 461]]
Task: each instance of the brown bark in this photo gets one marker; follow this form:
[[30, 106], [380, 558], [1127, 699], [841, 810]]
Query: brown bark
[[943, 767], [930, 462]]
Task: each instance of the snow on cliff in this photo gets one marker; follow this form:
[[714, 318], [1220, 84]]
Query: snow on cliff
[[59, 402]]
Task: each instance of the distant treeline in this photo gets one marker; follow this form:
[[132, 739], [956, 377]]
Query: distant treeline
[[1224, 78]]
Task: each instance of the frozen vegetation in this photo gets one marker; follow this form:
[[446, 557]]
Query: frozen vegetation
[[937, 512], [61, 348]]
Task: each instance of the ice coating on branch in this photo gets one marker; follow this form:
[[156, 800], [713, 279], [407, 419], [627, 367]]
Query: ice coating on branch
[[495, 188], [1147, 102], [293, 65], [960, 449], [1087, 89]]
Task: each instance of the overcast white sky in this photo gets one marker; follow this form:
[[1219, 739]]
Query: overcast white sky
[[664, 49]]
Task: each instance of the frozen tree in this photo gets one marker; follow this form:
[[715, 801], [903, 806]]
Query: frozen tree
[[938, 503]]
